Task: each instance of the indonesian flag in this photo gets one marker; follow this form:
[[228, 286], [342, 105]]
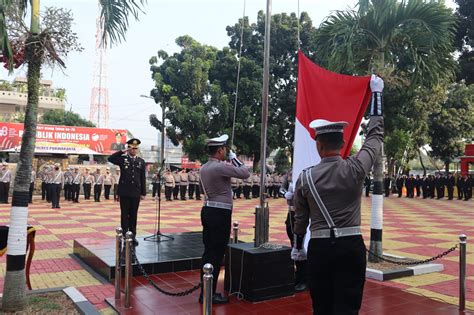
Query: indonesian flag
[[322, 94]]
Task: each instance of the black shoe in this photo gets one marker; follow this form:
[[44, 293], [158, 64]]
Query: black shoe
[[300, 287]]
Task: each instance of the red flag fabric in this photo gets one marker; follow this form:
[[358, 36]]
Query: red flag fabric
[[322, 94]]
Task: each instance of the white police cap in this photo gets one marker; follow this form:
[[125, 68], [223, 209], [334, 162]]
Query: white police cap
[[322, 126], [217, 141]]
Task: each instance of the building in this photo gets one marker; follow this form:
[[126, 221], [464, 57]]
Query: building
[[13, 98]]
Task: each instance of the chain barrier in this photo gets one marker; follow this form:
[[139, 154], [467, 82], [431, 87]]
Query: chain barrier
[[153, 284], [414, 262]]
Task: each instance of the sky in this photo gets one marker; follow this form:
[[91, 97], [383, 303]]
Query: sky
[[128, 74]]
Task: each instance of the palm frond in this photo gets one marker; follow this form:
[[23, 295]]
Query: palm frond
[[114, 18]]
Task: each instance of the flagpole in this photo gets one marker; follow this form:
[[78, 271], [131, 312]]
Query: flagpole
[[262, 215]]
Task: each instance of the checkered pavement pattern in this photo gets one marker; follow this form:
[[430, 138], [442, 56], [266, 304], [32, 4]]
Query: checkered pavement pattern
[[414, 228]]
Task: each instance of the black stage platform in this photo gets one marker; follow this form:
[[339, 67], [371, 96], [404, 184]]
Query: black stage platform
[[181, 254]]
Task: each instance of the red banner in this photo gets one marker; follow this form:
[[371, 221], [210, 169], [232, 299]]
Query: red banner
[[64, 139]]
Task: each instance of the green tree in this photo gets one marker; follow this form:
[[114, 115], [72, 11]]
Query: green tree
[[282, 162], [65, 118], [209, 102], [407, 43], [34, 46], [465, 39], [453, 124]]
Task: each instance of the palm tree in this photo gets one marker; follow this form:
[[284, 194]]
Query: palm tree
[[37, 45], [405, 42]]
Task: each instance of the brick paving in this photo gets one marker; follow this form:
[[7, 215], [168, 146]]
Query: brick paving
[[414, 228]]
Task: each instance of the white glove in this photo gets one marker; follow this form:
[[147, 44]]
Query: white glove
[[291, 188], [298, 254], [376, 83], [289, 195], [232, 155]]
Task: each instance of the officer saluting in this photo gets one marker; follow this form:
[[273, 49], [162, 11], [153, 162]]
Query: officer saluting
[[330, 195], [131, 187], [216, 213]]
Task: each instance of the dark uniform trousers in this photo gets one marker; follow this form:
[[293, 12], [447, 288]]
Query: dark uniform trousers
[[4, 190], [301, 270], [247, 192], [168, 192], [175, 192], [67, 191], [191, 190], [255, 191], [107, 191], [198, 192], [238, 192], [154, 189], [116, 197], [333, 266], [75, 192], [55, 193], [32, 188], [48, 192], [87, 191], [97, 192], [182, 191], [216, 225], [129, 212], [43, 190]]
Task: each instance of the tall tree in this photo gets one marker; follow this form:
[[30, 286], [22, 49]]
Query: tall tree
[[218, 93], [65, 118], [465, 39], [35, 45], [407, 43], [452, 126]]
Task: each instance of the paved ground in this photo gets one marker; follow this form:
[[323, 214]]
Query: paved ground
[[415, 228]]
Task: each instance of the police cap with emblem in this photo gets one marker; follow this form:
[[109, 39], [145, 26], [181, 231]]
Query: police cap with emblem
[[217, 141], [322, 126], [133, 143]]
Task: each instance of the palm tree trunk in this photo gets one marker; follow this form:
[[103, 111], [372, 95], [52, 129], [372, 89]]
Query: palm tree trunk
[[14, 290]]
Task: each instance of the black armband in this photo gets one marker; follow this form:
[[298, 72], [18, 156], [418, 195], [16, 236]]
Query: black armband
[[376, 104], [298, 241]]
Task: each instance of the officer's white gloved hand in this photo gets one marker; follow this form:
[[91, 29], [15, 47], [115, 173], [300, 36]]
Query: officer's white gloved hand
[[298, 254], [234, 160], [291, 188], [289, 195], [376, 104], [376, 83]]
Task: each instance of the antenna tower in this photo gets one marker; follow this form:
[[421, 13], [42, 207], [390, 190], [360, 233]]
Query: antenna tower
[[99, 111]]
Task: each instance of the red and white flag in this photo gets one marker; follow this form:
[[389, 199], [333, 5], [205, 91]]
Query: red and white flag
[[322, 94]]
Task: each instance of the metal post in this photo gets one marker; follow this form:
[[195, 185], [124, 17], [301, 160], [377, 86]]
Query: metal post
[[118, 267], [235, 228], [128, 267], [207, 289], [462, 271], [263, 134]]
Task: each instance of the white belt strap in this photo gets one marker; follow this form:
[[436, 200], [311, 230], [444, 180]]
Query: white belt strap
[[216, 204], [338, 232], [3, 177], [317, 198]]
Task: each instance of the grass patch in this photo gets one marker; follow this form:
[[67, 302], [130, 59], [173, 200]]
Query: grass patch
[[49, 303]]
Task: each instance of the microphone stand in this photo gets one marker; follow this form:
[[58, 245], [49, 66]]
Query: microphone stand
[[158, 236]]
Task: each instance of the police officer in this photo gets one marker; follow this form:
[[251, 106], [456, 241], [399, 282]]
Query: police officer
[[367, 182], [32, 185], [301, 272], [155, 184], [255, 185], [386, 184], [192, 184], [107, 183], [5, 179], [247, 182], [132, 185], [418, 185], [76, 185], [183, 184], [238, 191], [169, 184], [329, 194], [87, 181], [177, 179], [115, 181], [57, 182], [459, 186], [450, 182], [98, 182], [216, 213], [399, 184], [67, 184], [198, 185]]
